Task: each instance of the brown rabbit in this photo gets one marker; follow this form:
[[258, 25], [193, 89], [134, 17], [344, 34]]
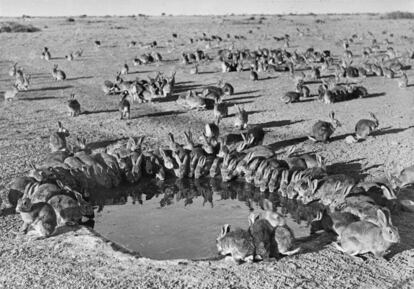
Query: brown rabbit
[[57, 140], [322, 130], [362, 237], [237, 243], [39, 216]]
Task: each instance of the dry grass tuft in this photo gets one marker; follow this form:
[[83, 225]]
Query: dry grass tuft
[[14, 27]]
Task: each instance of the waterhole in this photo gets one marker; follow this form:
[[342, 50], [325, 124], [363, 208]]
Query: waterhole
[[178, 219]]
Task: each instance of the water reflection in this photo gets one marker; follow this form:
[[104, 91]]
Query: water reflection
[[185, 191]]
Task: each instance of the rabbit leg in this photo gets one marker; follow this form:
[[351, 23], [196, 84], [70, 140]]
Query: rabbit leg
[[24, 228]]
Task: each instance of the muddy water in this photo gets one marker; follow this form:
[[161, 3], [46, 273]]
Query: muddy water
[[181, 218]]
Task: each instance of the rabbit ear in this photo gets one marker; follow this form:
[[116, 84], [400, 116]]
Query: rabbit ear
[[315, 185], [388, 193], [253, 218], [320, 161], [138, 162], [60, 184], [348, 190], [338, 186], [267, 205], [291, 150], [162, 153], [382, 218], [224, 230]]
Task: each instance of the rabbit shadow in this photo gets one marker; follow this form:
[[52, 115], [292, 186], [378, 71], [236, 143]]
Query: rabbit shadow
[[375, 95], [36, 98], [353, 168], [51, 88], [104, 143], [278, 123], [389, 130], [245, 92], [160, 113], [314, 242], [249, 113], [87, 112], [243, 97], [181, 88], [80, 77], [286, 143]]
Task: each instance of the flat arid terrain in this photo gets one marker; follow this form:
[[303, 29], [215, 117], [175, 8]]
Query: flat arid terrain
[[78, 257]]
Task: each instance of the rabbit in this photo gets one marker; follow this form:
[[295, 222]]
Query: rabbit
[[237, 243], [220, 110], [403, 81], [194, 70], [322, 130], [9, 95], [365, 127], [41, 192], [290, 97], [135, 174], [125, 69], [97, 43], [241, 117], [58, 74], [74, 106], [69, 57], [57, 140], [22, 81], [227, 88], [124, 106], [192, 101], [332, 221], [404, 178], [39, 216], [262, 232], [78, 53], [67, 210], [13, 70], [46, 54], [253, 75], [284, 239], [362, 237], [108, 87], [274, 218], [388, 73], [273, 181]]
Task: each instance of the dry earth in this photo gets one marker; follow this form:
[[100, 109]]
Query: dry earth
[[80, 259]]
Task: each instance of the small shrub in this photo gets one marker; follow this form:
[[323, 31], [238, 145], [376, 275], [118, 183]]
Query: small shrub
[[398, 15], [70, 19], [14, 27], [83, 16], [319, 21]]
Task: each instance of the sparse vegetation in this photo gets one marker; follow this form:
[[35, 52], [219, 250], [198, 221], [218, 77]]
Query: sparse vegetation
[[14, 27], [398, 15]]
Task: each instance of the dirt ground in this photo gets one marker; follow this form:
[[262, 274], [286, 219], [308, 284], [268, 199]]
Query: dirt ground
[[80, 258]]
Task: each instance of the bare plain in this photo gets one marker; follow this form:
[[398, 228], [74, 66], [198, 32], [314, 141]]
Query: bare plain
[[80, 259]]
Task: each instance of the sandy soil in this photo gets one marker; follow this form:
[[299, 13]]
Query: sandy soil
[[80, 259]]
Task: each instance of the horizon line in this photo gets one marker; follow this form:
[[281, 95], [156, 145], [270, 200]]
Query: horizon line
[[224, 14]]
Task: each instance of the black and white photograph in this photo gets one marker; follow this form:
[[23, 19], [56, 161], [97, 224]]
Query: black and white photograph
[[240, 144]]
